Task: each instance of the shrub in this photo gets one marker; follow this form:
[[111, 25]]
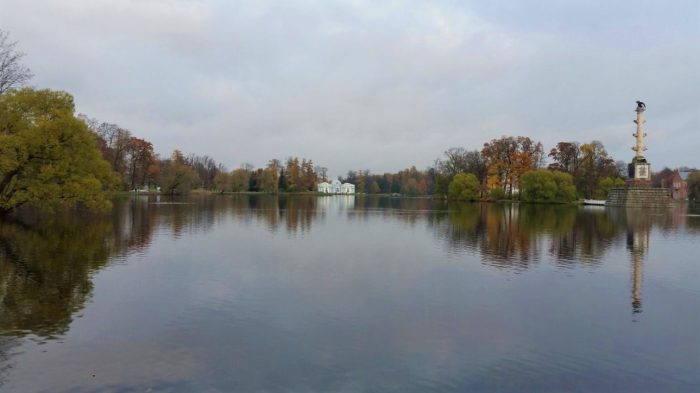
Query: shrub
[[497, 194], [547, 186], [464, 187], [605, 184]]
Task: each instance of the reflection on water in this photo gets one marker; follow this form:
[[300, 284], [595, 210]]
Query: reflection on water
[[444, 284]]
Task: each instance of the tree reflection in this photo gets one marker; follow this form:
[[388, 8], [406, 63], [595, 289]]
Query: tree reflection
[[45, 271], [46, 263], [516, 235]]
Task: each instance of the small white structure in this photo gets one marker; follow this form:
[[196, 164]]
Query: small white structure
[[335, 187], [323, 187], [347, 188]]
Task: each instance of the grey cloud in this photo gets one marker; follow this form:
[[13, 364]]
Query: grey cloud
[[363, 84]]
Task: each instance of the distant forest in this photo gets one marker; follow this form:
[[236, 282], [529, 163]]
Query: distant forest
[[498, 167]]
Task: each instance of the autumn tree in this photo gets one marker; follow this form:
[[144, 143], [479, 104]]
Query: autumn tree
[[269, 180], [48, 158], [12, 72], [293, 174], [223, 182], [240, 179], [308, 175], [508, 159], [139, 158], [566, 157], [588, 164], [177, 175]]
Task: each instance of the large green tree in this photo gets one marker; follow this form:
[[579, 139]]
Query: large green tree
[[464, 187], [48, 158], [544, 185]]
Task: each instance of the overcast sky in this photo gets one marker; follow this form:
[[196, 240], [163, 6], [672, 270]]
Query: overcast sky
[[377, 85]]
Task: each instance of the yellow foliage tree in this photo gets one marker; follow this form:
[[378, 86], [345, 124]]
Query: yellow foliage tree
[[48, 158]]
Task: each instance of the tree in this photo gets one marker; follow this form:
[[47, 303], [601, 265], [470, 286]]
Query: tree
[[455, 162], [322, 172], [545, 185], [139, 157], [12, 72], [116, 141], [268, 181], [464, 187], [509, 158], [254, 180], [663, 178], [595, 165], [694, 186], [441, 185], [566, 157], [282, 182], [206, 169], [410, 187], [177, 175], [48, 158], [240, 180], [293, 174], [223, 182], [605, 184], [113, 142], [308, 175], [478, 165]]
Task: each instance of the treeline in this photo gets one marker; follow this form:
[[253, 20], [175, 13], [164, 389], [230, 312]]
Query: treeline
[[293, 175], [140, 168], [496, 171]]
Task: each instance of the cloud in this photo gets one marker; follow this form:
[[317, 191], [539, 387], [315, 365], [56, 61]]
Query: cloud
[[361, 84]]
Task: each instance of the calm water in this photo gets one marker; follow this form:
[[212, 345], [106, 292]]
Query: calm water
[[350, 294]]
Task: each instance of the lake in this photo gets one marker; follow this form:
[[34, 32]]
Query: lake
[[350, 294]]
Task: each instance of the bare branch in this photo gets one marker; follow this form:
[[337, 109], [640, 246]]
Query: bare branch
[[12, 72]]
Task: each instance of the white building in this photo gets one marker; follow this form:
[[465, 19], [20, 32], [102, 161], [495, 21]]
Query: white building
[[335, 187], [347, 188], [323, 187]]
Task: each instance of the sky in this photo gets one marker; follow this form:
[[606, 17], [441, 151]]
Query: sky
[[378, 85]]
